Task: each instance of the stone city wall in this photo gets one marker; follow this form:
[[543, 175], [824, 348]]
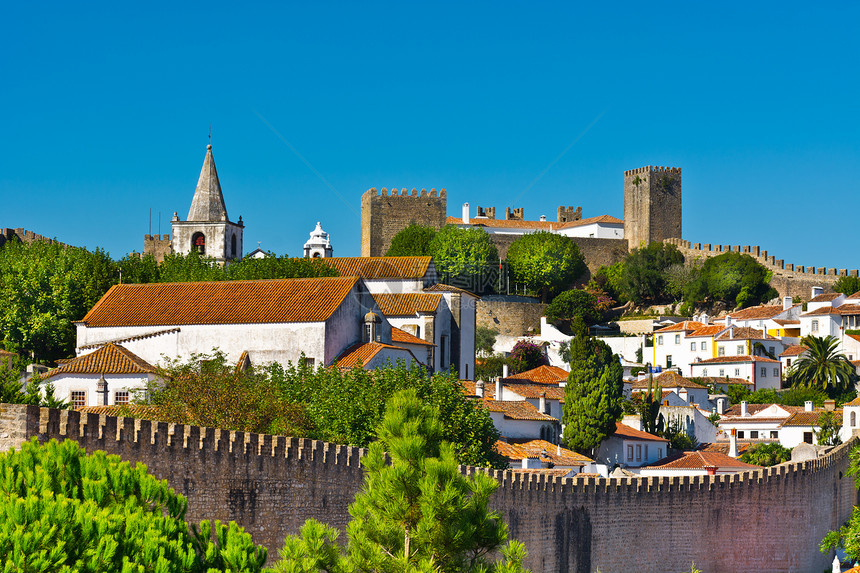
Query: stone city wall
[[509, 317], [768, 520]]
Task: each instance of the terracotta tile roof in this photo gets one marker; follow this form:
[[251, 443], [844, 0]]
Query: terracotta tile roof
[[752, 420], [537, 225], [6, 353], [439, 287], [668, 379], [540, 375], [703, 459], [546, 451], [736, 359], [854, 337], [224, 302], [744, 333], [143, 411], [131, 338], [723, 447], [793, 350], [362, 352], [826, 297], [628, 433], [691, 325], [402, 337], [849, 309], [856, 295], [469, 389], [758, 312], [549, 472], [590, 220], [380, 267], [782, 322], [407, 304], [823, 311], [708, 330], [109, 359], [533, 391], [519, 410], [724, 380], [854, 402], [809, 418], [752, 409]]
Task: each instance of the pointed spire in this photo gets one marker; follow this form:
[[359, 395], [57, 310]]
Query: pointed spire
[[208, 202]]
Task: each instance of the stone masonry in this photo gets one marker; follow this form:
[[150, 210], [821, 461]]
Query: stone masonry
[[767, 520], [652, 205], [383, 215]]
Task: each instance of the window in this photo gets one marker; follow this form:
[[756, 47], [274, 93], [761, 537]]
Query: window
[[774, 435], [78, 398], [764, 372], [309, 363], [198, 243], [660, 340], [740, 434], [807, 437], [443, 352], [366, 335], [853, 422], [722, 372], [753, 434], [659, 453], [740, 349], [693, 346], [772, 349], [467, 372], [721, 351], [233, 246], [704, 371], [814, 326], [776, 372], [677, 339], [668, 361], [120, 397], [638, 452], [630, 453], [787, 362], [737, 371], [704, 345]]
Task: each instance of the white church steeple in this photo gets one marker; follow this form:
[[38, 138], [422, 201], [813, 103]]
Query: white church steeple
[[319, 244]]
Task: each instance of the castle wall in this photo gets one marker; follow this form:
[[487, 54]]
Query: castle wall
[[383, 215], [597, 251], [765, 520], [788, 279], [159, 246], [22, 235], [510, 318]]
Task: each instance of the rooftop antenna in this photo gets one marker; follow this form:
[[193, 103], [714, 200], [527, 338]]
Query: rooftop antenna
[[159, 222], [150, 220], [210, 134]]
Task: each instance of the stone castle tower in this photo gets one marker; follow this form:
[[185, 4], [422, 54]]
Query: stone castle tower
[[208, 230], [652, 205], [383, 215]]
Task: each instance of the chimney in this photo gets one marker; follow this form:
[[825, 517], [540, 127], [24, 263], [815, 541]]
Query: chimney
[[728, 320], [721, 406], [807, 406], [787, 302], [744, 409], [499, 389], [479, 388], [466, 213], [712, 470], [817, 290], [830, 405], [543, 218], [102, 391], [504, 370], [733, 443], [542, 403]]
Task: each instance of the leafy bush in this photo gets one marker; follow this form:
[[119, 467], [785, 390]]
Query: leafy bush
[[525, 356], [571, 304], [412, 241], [846, 285], [608, 278], [733, 278], [545, 262], [643, 276], [465, 257], [766, 454], [485, 339], [489, 367]]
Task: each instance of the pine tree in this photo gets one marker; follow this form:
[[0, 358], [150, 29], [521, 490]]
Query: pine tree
[[592, 401], [415, 511], [653, 421]]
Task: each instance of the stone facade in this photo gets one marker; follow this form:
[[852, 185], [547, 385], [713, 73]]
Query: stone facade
[[22, 235], [509, 317], [383, 215], [652, 205], [767, 520], [159, 246]]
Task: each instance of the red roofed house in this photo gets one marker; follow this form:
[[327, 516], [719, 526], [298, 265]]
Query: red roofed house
[[697, 464], [631, 448], [761, 372]]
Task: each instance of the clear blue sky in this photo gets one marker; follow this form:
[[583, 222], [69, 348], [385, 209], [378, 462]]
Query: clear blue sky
[[106, 110]]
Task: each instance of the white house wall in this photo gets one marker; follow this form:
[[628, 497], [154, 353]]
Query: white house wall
[[65, 384]]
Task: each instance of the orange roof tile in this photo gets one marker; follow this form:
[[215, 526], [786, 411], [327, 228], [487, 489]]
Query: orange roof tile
[[854, 402], [380, 267], [626, 432], [724, 380], [708, 330], [533, 391], [752, 409], [402, 337], [758, 312], [131, 338], [407, 304], [519, 410], [782, 322], [744, 333], [225, 302], [701, 460], [855, 295], [826, 297], [144, 411], [546, 451], [668, 379], [590, 220], [109, 359], [362, 352], [541, 375], [537, 225], [691, 325], [470, 390], [793, 350], [439, 287], [809, 418]]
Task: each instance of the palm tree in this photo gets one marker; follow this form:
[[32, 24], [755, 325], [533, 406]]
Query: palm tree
[[822, 366]]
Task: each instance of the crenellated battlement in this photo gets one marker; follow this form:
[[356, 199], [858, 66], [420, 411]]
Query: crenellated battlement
[[384, 212], [404, 192], [23, 235], [652, 169]]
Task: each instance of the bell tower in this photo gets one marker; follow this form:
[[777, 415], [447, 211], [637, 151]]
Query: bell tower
[[208, 230]]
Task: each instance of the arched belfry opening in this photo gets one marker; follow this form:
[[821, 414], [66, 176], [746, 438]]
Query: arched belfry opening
[[198, 243]]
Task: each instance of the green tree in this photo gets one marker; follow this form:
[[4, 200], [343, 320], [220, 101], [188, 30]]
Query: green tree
[[412, 241], [176, 268], [138, 269], [545, 262], [526, 355], [847, 537], [416, 512], [465, 257], [273, 267], [485, 339], [828, 430], [63, 510], [822, 366], [44, 289], [643, 275], [593, 394], [679, 438], [571, 304], [652, 420], [489, 366], [766, 454], [734, 278], [846, 285], [609, 279]]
